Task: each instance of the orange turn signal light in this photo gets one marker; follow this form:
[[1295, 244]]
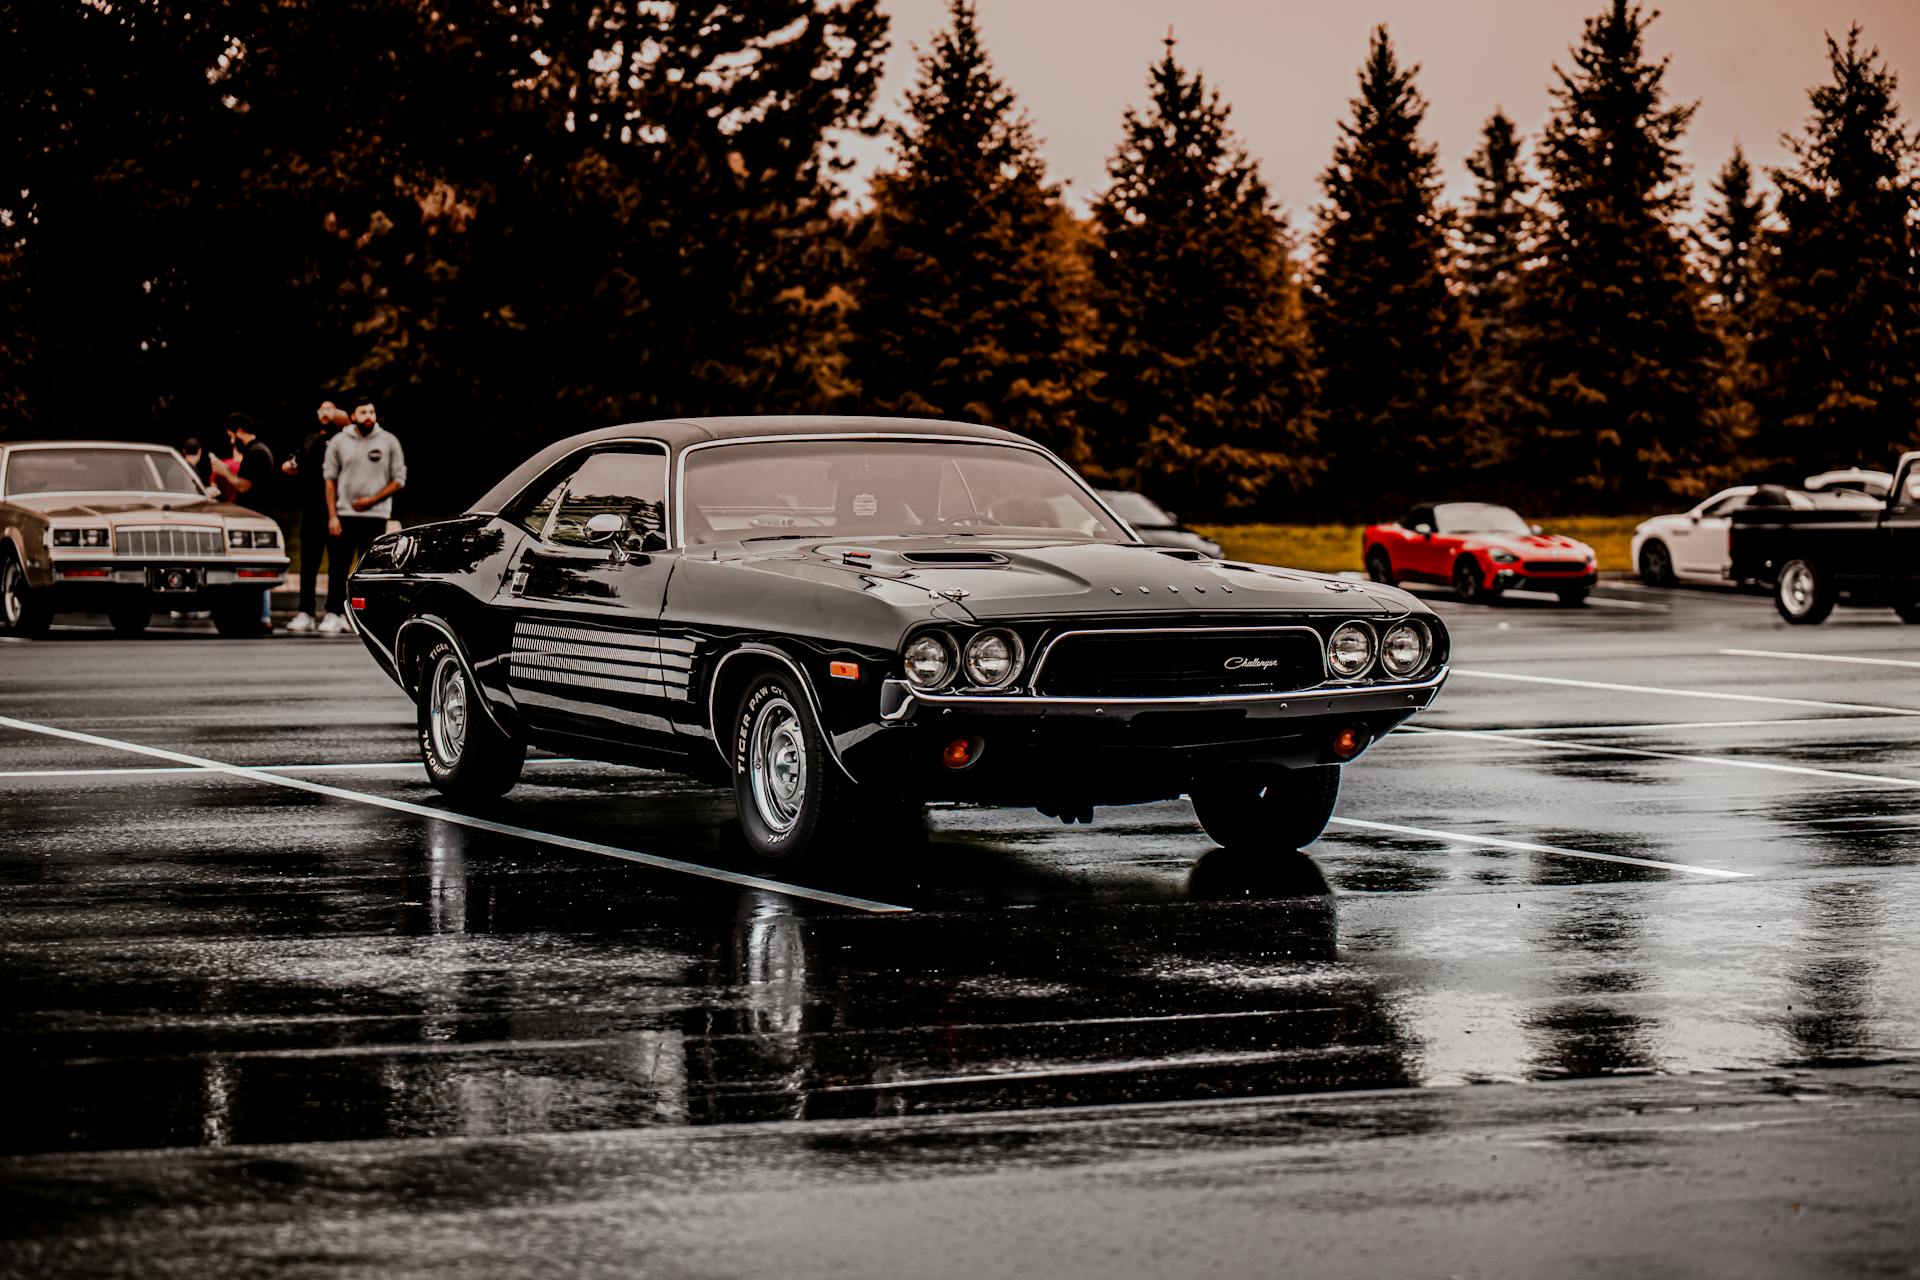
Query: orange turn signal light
[[1349, 742], [961, 752], [844, 670]]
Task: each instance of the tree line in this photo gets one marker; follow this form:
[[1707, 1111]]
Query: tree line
[[507, 220]]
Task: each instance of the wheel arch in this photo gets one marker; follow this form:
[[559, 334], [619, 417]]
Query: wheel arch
[[731, 673], [411, 644]]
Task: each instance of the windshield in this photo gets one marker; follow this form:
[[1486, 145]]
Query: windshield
[[878, 487], [1137, 509], [1477, 517], [98, 471]]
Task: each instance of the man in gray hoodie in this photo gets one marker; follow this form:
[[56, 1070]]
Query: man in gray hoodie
[[365, 467]]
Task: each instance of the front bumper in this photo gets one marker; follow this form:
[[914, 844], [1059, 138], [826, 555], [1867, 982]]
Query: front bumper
[[1514, 579], [78, 583], [1110, 751]]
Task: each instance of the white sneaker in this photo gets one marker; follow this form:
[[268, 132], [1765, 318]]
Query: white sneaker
[[302, 622], [332, 625]]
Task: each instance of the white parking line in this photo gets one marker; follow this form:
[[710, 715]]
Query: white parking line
[[1820, 657], [1689, 693], [1730, 762], [1522, 846], [371, 765], [1656, 725], [460, 819]]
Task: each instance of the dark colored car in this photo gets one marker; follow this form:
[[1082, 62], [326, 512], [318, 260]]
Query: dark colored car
[[1815, 558], [846, 618], [122, 529], [1157, 526], [1480, 549]]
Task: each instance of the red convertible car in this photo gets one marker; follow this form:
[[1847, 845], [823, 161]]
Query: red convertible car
[[1480, 549]]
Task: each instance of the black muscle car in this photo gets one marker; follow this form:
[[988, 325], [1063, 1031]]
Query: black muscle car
[[846, 618], [1815, 556]]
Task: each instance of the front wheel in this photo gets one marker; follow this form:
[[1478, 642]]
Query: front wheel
[[22, 611], [1379, 566], [1468, 584], [1909, 610], [467, 756], [792, 801], [1803, 595], [1656, 565], [1275, 809]]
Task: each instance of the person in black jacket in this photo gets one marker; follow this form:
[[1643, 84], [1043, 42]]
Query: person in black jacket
[[305, 467]]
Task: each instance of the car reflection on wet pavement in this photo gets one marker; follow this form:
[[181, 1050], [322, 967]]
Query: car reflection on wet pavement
[[1613, 849]]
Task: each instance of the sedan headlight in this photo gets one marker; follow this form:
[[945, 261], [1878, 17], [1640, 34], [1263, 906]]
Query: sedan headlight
[[1404, 649], [96, 537], [1350, 650], [929, 661], [992, 658], [239, 537]]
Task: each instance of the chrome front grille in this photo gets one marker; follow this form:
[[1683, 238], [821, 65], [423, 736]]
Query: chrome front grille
[[1181, 663], [168, 540]]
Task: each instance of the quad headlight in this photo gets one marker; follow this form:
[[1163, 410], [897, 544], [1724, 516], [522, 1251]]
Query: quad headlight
[[238, 539], [992, 658], [928, 660], [1350, 649], [1404, 649], [95, 537]]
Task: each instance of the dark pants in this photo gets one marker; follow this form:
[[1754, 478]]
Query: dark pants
[[356, 535], [313, 546]]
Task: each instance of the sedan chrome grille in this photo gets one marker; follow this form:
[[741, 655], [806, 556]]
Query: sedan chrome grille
[[168, 540], [1180, 663]]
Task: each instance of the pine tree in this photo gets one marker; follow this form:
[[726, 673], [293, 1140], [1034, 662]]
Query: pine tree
[[972, 292], [1836, 348], [1387, 327], [1207, 373], [1618, 360], [1498, 233], [1731, 236]]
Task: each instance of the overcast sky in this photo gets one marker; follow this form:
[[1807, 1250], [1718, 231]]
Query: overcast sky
[[1287, 69]]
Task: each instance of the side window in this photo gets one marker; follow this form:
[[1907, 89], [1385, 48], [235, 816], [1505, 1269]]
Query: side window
[[1419, 516], [533, 516], [628, 484], [1725, 507]]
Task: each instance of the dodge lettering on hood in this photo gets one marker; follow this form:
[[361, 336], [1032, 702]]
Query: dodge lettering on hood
[[845, 618]]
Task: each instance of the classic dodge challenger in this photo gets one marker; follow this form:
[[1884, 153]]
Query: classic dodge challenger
[[843, 618], [99, 525]]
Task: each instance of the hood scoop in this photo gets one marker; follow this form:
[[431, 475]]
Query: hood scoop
[[1185, 553], [955, 559]]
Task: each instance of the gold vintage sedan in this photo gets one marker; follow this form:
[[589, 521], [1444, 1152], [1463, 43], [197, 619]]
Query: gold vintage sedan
[[122, 529]]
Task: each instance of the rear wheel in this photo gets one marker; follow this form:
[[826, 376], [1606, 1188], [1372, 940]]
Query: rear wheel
[[132, 617], [1802, 594], [466, 754], [1277, 810], [22, 611], [1379, 566], [792, 799], [1468, 584], [1656, 564]]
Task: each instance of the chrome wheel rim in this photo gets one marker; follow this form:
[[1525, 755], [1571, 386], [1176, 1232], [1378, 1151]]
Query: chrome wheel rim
[[777, 764], [447, 710], [12, 598], [1796, 588]]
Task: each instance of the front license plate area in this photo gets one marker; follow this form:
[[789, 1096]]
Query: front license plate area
[[173, 580]]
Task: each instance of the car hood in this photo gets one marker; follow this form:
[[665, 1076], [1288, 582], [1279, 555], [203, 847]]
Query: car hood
[[1527, 544], [1002, 578], [119, 506]]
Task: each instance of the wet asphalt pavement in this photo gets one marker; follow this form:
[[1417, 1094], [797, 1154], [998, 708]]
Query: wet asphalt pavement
[[1657, 902]]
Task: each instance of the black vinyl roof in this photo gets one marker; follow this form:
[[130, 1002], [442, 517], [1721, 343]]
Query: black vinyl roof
[[677, 433]]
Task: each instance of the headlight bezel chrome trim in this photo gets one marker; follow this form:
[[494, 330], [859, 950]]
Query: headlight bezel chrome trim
[[950, 655], [1425, 635], [1359, 627], [1017, 657]]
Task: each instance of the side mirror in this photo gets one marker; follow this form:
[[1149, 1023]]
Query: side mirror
[[1424, 530], [1534, 528], [605, 527]]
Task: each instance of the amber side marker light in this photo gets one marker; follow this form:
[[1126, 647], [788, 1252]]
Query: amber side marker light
[[961, 752], [844, 670], [1349, 742]]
